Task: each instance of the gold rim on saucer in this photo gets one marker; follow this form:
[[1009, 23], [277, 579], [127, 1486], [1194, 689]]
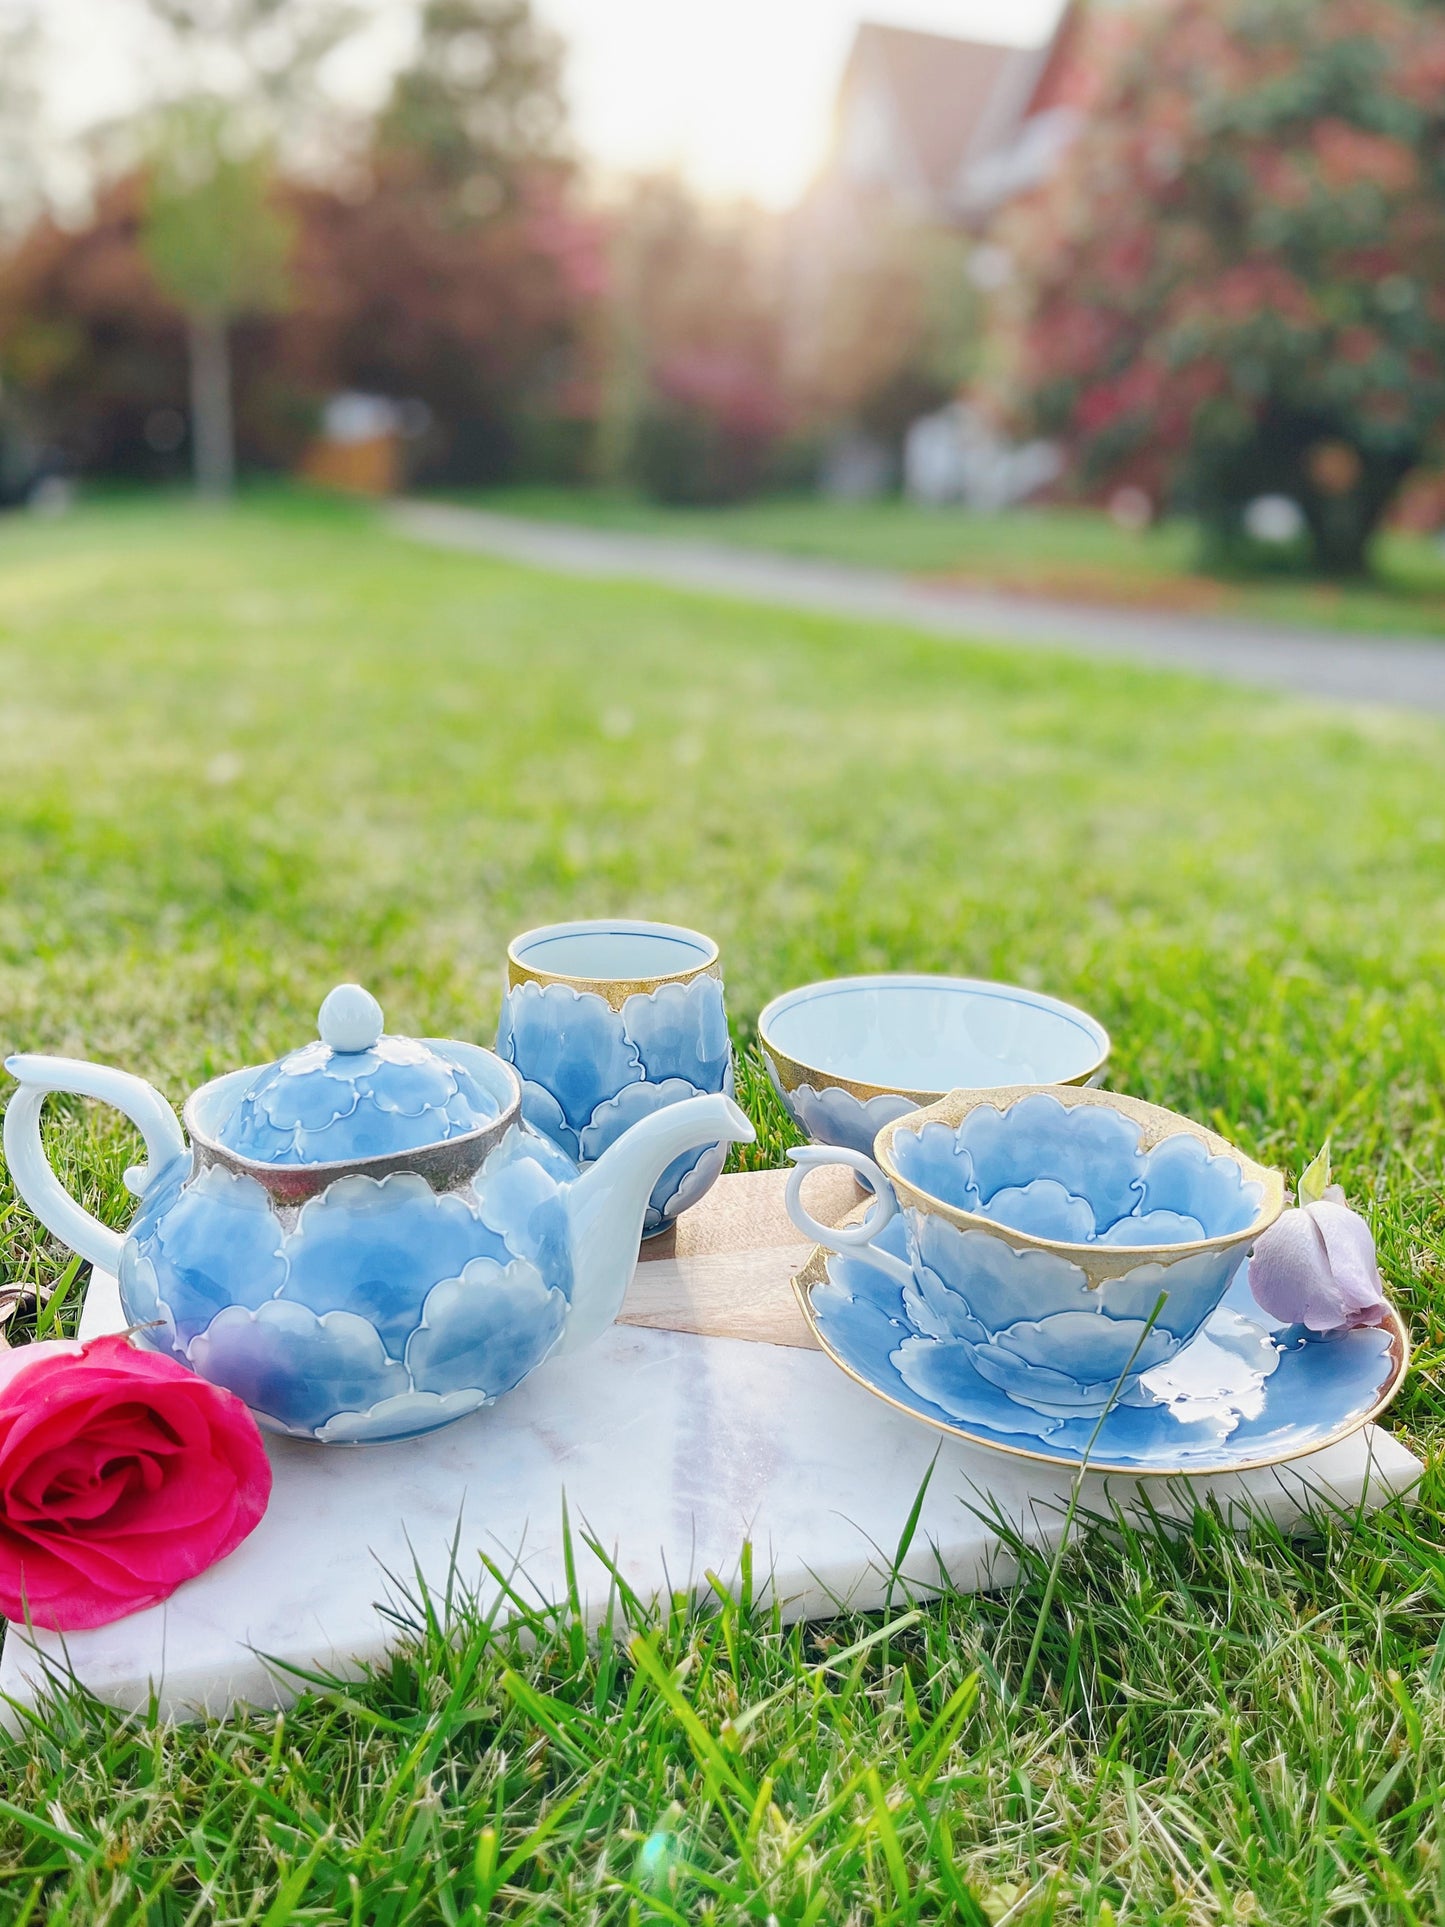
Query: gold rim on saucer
[[815, 1272]]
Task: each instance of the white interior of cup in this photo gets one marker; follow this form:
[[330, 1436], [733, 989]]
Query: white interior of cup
[[614, 951], [934, 1033]]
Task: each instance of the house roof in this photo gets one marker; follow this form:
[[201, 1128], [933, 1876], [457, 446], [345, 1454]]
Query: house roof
[[944, 97], [1062, 70]]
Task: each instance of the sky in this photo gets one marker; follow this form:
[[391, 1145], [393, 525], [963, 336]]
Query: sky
[[734, 94]]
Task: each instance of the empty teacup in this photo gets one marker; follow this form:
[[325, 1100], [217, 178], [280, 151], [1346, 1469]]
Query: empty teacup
[[609, 1021], [1043, 1227], [849, 1056]]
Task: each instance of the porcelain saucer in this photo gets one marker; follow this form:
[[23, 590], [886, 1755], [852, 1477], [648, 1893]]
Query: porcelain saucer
[[1246, 1392]]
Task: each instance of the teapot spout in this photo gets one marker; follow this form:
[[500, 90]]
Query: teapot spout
[[608, 1202]]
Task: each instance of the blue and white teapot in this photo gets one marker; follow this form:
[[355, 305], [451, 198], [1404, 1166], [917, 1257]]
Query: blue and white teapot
[[363, 1240]]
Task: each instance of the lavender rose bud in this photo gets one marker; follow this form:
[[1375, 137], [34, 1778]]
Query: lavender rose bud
[[1315, 1266]]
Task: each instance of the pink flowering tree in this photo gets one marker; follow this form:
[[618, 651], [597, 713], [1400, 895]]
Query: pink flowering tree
[[1236, 286]]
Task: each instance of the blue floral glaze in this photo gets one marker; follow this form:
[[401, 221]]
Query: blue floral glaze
[[1036, 1327], [376, 1309], [569, 1042], [219, 1243], [506, 1315], [377, 1246], [320, 1105], [295, 1368], [681, 1031], [1077, 1175], [1245, 1390], [590, 1072], [834, 1116]]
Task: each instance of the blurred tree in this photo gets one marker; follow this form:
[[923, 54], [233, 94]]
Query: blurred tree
[[478, 108], [217, 245], [214, 232], [87, 339], [20, 120], [465, 277], [443, 258], [889, 330], [263, 57], [1237, 284], [696, 407], [19, 201]]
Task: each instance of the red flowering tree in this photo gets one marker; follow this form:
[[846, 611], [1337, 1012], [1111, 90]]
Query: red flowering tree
[[1237, 285], [455, 267]]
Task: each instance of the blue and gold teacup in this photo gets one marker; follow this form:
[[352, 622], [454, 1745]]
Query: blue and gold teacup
[[1043, 1227], [606, 1022]]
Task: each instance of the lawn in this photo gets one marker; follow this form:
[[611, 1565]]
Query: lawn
[[249, 754], [1074, 553]]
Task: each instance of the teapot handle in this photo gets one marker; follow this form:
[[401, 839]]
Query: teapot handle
[[30, 1169]]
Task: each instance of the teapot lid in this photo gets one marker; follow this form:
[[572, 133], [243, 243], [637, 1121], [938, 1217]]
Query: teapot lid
[[355, 1093]]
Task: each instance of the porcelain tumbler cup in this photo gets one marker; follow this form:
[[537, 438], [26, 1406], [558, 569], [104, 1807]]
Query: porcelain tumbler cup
[[606, 1022]]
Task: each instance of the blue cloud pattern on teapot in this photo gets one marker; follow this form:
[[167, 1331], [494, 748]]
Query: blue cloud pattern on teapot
[[366, 1239]]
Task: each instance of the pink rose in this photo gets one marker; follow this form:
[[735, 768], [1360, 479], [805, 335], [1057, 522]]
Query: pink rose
[[1315, 1266], [122, 1475]]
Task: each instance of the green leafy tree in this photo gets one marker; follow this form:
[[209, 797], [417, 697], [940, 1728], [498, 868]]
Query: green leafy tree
[[478, 108], [695, 406], [213, 233], [218, 246], [262, 56], [466, 276], [1236, 286]]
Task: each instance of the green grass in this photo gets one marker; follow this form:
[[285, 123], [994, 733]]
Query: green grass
[[246, 755], [1074, 553]]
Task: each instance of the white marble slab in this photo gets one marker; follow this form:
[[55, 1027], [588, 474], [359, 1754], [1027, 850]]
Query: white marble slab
[[671, 1450]]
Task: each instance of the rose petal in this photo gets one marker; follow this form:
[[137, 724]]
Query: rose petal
[[1289, 1273], [22, 1358], [1315, 1266], [1353, 1265], [121, 1475]]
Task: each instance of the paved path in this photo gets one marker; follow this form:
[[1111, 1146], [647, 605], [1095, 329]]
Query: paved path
[[1302, 661]]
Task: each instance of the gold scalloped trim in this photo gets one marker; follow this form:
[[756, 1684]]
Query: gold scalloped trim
[[614, 991], [791, 1072], [1099, 1264]]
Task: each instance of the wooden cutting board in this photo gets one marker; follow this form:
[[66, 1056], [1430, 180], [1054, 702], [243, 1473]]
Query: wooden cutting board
[[726, 1268]]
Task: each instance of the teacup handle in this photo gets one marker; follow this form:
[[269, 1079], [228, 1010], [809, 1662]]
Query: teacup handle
[[846, 1237]]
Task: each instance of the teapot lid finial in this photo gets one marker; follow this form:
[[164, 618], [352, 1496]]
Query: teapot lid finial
[[350, 1019], [359, 1093]]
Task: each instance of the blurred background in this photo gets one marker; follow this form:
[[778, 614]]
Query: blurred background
[[1170, 259]]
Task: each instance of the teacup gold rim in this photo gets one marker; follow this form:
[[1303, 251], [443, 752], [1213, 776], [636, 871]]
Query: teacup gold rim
[[793, 1071], [614, 991], [815, 1272], [1157, 1123]]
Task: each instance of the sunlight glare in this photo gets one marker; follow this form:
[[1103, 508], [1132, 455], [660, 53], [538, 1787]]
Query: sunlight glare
[[737, 94]]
